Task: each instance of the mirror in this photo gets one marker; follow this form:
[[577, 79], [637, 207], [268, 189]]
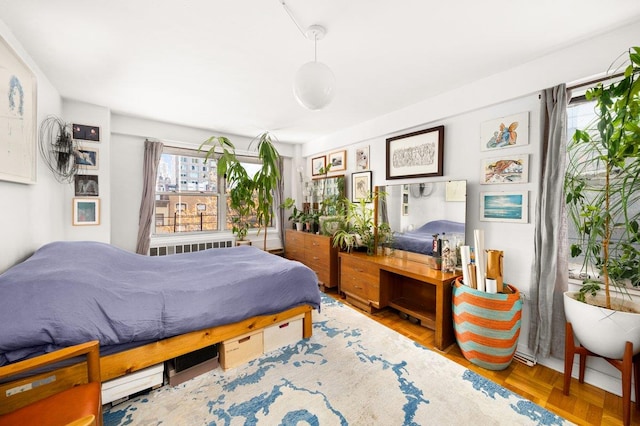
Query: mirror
[[322, 194], [417, 211]]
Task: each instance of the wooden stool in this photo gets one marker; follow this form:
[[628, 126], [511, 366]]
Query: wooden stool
[[628, 365]]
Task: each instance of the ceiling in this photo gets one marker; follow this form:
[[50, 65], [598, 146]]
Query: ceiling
[[229, 65]]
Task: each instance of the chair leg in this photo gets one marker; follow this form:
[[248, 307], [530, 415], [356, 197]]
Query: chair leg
[[636, 379], [569, 352], [626, 370]]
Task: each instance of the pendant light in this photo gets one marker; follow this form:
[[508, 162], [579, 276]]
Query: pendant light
[[314, 83]]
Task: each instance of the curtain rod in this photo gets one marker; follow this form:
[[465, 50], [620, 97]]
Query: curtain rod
[[597, 80]]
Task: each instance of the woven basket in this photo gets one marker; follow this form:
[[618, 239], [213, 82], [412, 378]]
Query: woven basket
[[486, 325]]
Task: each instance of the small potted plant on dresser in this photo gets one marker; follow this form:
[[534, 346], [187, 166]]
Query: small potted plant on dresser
[[602, 191]]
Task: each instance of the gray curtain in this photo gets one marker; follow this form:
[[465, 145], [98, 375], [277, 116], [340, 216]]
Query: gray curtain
[[152, 153], [279, 199], [549, 275]]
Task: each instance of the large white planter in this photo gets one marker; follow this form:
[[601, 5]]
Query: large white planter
[[603, 331]]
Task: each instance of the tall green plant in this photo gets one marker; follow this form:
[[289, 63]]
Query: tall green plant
[[266, 180], [602, 186]]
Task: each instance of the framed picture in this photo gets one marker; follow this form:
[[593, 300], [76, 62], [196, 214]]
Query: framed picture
[[362, 158], [361, 184], [505, 169], [86, 211], [317, 165], [505, 132], [338, 161], [86, 158], [86, 185], [417, 154], [86, 133], [18, 109], [504, 206]]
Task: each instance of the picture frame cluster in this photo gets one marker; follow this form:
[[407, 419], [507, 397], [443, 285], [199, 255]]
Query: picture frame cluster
[[86, 205]]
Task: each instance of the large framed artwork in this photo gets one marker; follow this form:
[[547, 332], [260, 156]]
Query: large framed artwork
[[505, 169], [504, 206], [18, 109], [505, 132], [417, 154]]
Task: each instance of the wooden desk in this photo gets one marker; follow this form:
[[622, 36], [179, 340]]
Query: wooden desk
[[375, 282]]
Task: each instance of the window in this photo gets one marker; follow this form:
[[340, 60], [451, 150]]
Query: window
[[188, 198]]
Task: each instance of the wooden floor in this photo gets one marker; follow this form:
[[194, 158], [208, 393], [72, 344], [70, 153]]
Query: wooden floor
[[586, 405]]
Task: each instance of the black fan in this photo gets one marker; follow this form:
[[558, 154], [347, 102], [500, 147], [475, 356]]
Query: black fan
[[56, 147]]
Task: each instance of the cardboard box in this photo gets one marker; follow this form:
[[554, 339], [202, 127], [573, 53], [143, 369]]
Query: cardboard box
[[285, 333], [242, 349], [120, 388], [176, 377]]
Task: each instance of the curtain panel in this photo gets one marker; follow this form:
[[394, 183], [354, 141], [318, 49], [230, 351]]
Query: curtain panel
[[549, 275], [152, 153]]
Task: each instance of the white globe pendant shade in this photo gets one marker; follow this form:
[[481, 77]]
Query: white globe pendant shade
[[314, 85]]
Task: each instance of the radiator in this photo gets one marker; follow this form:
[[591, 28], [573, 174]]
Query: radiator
[[188, 247]]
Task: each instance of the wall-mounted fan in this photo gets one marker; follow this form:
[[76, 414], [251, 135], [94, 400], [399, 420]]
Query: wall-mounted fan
[[420, 190], [57, 147]]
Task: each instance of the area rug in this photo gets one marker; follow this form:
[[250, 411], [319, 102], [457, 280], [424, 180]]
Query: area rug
[[353, 371]]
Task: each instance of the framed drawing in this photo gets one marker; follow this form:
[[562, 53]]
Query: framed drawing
[[86, 211], [362, 158], [505, 132], [505, 169], [317, 165], [361, 184], [86, 158], [338, 161], [86, 133], [86, 185], [504, 207], [417, 154], [18, 109]]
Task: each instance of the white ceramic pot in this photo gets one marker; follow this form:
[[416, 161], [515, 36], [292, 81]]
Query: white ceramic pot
[[600, 330]]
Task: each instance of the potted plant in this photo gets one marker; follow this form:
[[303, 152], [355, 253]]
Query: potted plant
[[290, 204], [385, 238], [602, 190], [357, 228], [241, 200]]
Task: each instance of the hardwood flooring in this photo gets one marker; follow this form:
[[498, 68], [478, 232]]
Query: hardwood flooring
[[586, 405]]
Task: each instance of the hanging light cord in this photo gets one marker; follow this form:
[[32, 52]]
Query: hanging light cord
[[286, 8]]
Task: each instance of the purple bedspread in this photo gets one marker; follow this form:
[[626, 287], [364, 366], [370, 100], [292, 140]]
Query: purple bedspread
[[72, 292]]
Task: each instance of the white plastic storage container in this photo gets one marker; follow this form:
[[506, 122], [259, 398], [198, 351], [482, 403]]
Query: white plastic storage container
[[124, 386]]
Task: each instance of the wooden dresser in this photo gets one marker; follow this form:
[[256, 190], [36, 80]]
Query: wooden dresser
[[375, 282], [315, 251]]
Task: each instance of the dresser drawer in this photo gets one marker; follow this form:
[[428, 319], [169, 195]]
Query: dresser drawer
[[318, 243], [366, 271], [360, 288]]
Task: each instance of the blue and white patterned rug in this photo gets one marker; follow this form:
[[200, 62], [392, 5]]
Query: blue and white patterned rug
[[353, 371]]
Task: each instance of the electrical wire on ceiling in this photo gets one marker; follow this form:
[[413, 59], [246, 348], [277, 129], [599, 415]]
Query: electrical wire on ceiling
[[57, 148]]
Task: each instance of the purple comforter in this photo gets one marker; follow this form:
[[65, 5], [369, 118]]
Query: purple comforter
[[72, 292]]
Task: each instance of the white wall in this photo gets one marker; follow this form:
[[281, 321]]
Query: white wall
[[127, 153], [31, 215], [461, 112]]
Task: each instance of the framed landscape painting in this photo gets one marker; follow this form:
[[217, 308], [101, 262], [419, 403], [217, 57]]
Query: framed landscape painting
[[504, 206]]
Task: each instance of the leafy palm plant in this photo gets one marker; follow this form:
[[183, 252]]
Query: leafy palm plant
[[602, 183]]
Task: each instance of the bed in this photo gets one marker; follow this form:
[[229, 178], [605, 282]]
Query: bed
[[145, 310], [421, 239]]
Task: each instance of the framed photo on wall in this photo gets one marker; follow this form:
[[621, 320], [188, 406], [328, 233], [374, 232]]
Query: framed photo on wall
[[86, 185], [86, 133], [417, 154], [505, 169], [504, 206], [86, 158], [18, 116], [361, 186], [505, 132], [338, 161], [86, 211], [362, 158], [317, 165]]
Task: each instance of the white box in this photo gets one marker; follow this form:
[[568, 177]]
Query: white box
[[132, 383], [284, 333], [235, 352]]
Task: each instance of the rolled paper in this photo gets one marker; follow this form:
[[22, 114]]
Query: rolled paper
[[481, 265], [465, 257], [472, 275], [492, 285]]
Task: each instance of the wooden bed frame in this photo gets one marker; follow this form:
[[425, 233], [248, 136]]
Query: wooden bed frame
[[129, 361]]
